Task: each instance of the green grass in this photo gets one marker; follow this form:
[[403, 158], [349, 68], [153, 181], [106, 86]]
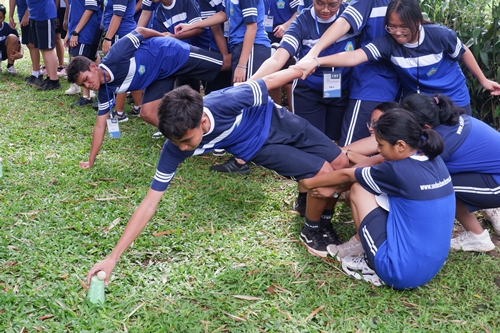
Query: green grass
[[228, 236]]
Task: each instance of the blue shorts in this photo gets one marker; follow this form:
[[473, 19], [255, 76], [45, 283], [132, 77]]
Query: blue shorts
[[372, 233], [86, 50], [357, 114], [44, 34], [295, 148], [326, 114], [476, 190], [258, 55]]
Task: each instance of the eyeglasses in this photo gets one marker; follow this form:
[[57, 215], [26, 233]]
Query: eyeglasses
[[392, 29], [369, 124], [331, 6]]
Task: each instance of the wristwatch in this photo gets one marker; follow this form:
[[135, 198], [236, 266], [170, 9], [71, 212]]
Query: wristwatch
[[74, 33]]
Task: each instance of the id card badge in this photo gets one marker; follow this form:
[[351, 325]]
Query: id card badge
[[332, 83], [226, 29], [268, 23], [113, 128]]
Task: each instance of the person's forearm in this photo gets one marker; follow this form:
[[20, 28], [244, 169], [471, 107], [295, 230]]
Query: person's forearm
[[273, 64], [472, 65], [287, 23], [344, 59], [333, 178], [137, 222], [12, 8], [87, 14], [366, 146], [279, 79], [113, 26], [248, 41], [219, 38], [338, 29], [188, 34], [148, 33], [97, 137], [144, 18], [217, 18]]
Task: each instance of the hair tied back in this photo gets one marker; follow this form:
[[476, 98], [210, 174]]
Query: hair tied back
[[436, 100]]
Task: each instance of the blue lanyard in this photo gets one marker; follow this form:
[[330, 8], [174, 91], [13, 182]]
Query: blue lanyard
[[110, 104], [316, 21], [165, 18]]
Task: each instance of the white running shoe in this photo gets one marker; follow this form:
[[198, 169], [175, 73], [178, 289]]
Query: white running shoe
[[493, 216], [11, 70], [351, 248], [157, 135], [469, 241], [357, 267], [73, 89], [92, 94]]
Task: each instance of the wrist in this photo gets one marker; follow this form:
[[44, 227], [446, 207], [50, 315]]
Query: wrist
[[317, 60], [241, 66], [107, 39]]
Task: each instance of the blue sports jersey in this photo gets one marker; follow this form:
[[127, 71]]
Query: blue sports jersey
[[375, 81], [22, 6], [6, 30], [134, 63], [123, 8], [471, 146], [240, 119], [239, 14], [303, 4], [76, 10], [432, 61], [207, 9], [182, 11], [420, 220], [304, 32], [42, 10], [281, 10]]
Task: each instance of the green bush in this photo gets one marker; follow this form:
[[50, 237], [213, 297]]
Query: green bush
[[476, 24]]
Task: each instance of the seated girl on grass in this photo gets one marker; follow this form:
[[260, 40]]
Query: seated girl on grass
[[403, 208]]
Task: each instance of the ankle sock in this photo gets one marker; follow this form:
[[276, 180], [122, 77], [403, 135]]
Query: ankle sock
[[10, 65], [326, 217], [311, 225]]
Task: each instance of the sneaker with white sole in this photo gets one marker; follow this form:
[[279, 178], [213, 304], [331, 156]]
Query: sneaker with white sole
[[358, 268], [121, 118], [351, 248], [73, 89], [11, 70], [157, 135], [219, 152], [314, 242], [493, 216], [469, 241]]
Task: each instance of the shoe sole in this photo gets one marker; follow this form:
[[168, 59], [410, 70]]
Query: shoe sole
[[371, 278], [475, 248]]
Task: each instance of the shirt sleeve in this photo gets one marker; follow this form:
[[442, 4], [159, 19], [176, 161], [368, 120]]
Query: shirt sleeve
[[249, 11], [170, 158], [378, 179], [119, 7]]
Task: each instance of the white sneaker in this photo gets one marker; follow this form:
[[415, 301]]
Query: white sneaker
[[351, 248], [493, 216], [469, 241], [357, 267], [157, 135], [92, 94], [11, 70], [73, 89]]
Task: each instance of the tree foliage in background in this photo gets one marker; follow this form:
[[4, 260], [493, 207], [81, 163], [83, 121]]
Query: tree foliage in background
[[477, 25]]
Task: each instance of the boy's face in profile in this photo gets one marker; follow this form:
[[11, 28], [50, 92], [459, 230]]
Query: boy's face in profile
[[90, 79], [191, 140], [375, 115]]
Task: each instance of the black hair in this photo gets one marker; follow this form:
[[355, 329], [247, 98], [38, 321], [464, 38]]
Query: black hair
[[399, 124], [432, 110], [386, 106], [409, 13], [76, 66], [3, 10], [179, 111]]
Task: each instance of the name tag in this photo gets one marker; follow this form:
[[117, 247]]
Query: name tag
[[113, 128], [268, 23], [332, 83]]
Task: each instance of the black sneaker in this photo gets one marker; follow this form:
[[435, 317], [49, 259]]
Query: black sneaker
[[35, 81], [219, 152], [314, 242], [135, 112], [300, 205], [50, 85], [330, 236], [95, 105], [232, 166], [82, 101]]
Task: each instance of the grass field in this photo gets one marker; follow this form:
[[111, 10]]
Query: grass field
[[220, 255]]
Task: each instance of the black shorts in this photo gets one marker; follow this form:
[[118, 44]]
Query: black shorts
[[476, 190], [373, 232], [87, 50], [44, 34], [294, 148], [59, 22], [259, 54], [26, 36]]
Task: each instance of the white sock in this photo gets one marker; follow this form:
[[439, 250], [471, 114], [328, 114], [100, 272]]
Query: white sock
[[136, 107], [35, 73]]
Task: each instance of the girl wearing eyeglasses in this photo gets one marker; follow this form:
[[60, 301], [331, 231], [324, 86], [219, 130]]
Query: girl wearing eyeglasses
[[424, 54]]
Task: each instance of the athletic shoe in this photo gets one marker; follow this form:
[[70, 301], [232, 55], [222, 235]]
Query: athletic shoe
[[232, 166], [49, 85], [43, 70], [357, 267], [82, 101], [73, 89], [95, 105], [135, 112], [219, 152], [35, 81], [351, 248], [314, 242], [329, 234], [11, 70], [121, 118], [157, 135], [493, 216], [469, 241], [61, 71], [300, 206]]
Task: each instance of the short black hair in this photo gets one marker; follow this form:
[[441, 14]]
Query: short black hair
[[3, 10], [76, 66], [179, 111]]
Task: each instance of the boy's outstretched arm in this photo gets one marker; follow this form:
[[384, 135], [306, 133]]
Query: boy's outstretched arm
[[471, 63], [135, 225], [278, 79], [97, 138]]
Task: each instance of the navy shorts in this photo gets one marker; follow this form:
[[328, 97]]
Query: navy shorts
[[326, 114], [59, 22], [259, 54], [357, 114], [295, 148], [26, 36], [201, 64], [476, 190], [44, 34], [87, 50], [373, 232]]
